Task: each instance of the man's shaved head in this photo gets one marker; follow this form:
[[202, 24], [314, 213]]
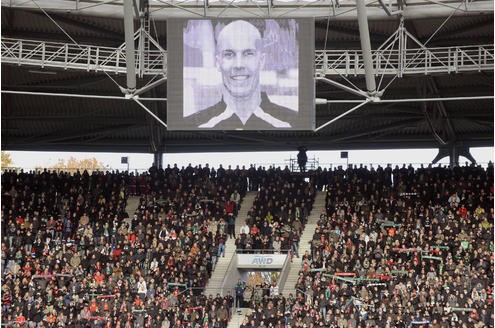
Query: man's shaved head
[[241, 29]]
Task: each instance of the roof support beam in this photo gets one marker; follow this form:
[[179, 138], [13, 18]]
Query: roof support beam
[[74, 95], [156, 137], [453, 152], [431, 125], [343, 114], [129, 45], [433, 118], [150, 86], [443, 110], [149, 112], [364, 34]]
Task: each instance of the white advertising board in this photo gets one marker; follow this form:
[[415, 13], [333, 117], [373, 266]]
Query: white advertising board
[[261, 261]]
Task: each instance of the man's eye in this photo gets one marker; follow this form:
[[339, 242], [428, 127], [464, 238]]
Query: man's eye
[[228, 55], [249, 53]]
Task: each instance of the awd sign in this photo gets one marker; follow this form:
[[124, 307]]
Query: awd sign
[[266, 261], [262, 260]]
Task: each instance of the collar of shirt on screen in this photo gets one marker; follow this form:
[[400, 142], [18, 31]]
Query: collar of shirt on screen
[[258, 112], [227, 113], [270, 119]]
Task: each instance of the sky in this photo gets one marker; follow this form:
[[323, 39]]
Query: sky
[[141, 162]]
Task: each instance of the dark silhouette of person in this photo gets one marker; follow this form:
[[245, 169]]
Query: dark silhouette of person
[[302, 158]]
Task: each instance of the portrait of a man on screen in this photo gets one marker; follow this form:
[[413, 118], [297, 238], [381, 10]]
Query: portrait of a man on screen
[[241, 74]]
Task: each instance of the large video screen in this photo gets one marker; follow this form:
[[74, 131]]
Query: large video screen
[[240, 74]]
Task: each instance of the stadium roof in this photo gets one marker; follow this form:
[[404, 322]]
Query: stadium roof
[[456, 36]]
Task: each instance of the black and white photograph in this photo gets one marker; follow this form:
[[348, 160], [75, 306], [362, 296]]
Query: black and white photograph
[[241, 75]]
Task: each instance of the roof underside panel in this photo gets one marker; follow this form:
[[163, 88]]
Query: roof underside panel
[[34, 122], [337, 10]]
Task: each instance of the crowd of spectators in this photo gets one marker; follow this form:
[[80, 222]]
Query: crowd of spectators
[[398, 247], [394, 248], [279, 212], [72, 258], [57, 235]]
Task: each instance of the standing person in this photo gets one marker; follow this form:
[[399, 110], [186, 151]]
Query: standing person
[[222, 226], [244, 229], [294, 242], [141, 288], [277, 244], [230, 302], [274, 291], [221, 245], [214, 255], [236, 198], [239, 294], [230, 207], [231, 225], [302, 159], [222, 316], [239, 57]]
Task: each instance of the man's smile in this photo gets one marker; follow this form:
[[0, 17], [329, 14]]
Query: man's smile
[[239, 77]]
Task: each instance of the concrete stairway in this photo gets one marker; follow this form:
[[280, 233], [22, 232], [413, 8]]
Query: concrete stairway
[[214, 285], [247, 203], [132, 205], [237, 318], [304, 245]]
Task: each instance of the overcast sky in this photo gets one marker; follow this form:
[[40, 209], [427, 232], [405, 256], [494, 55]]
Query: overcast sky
[[30, 160]]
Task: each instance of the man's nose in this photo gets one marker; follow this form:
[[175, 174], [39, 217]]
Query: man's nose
[[239, 61]]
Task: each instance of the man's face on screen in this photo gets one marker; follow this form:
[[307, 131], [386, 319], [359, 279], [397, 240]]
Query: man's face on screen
[[240, 59]]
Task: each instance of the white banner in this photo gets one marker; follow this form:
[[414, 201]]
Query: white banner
[[261, 261]]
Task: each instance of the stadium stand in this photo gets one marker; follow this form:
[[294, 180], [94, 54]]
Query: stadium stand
[[398, 247], [401, 254], [70, 259], [279, 212]]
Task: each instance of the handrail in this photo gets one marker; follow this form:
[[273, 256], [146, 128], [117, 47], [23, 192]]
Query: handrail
[[78, 57], [409, 61], [282, 280], [261, 251], [327, 62], [232, 266]]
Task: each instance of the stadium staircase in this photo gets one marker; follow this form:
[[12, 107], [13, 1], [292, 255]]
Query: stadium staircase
[[304, 243], [295, 266], [247, 203], [214, 285], [131, 207], [237, 318]]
